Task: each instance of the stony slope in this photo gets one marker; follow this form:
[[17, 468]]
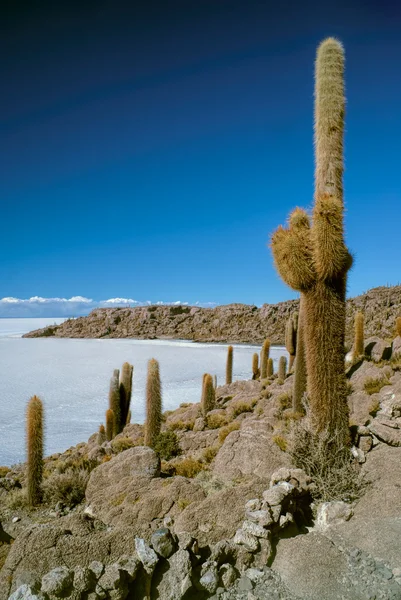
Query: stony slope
[[231, 323]]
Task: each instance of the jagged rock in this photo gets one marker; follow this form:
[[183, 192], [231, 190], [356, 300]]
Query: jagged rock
[[365, 443], [255, 529], [330, 513], [249, 541], [84, 579], [386, 434], [366, 371], [130, 565], [114, 579], [163, 542], [253, 504], [199, 424], [58, 582], [277, 493], [285, 520], [261, 517], [146, 555], [209, 579], [360, 403], [24, 592], [358, 454], [175, 582], [228, 575], [254, 575], [249, 451], [185, 540], [377, 349], [245, 584], [97, 568]]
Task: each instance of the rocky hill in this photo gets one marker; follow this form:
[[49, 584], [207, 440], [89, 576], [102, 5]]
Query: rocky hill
[[238, 323]]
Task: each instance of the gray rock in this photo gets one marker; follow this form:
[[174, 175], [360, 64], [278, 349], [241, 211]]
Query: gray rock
[[358, 454], [365, 443], [163, 542], [255, 529], [228, 575], [386, 434], [255, 575], [396, 347], [24, 592], [286, 520], [130, 565], [209, 579], [276, 494], [185, 540], [176, 581], [200, 424], [330, 513], [146, 555], [250, 542], [253, 505], [261, 517], [245, 584], [84, 579], [377, 349], [58, 582], [97, 568]]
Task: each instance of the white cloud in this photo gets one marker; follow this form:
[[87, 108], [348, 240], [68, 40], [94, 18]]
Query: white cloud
[[75, 306]]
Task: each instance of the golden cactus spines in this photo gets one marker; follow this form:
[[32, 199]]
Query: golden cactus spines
[[282, 368], [398, 326], [359, 341], [101, 436], [255, 366], [291, 338], [264, 357], [34, 440], [314, 258], [153, 404], [229, 365], [270, 367], [109, 424], [208, 401], [115, 401], [125, 391]]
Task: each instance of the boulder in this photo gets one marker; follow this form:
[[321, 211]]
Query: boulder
[[173, 580], [58, 582], [140, 461], [330, 513], [366, 371], [385, 432], [24, 592], [163, 542], [396, 347], [360, 403], [377, 349], [249, 451]]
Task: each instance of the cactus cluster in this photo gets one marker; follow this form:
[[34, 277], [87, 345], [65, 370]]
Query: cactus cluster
[[312, 258]]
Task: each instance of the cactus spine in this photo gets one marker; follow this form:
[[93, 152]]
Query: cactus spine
[[359, 342], [153, 404], [264, 357], [270, 367], [398, 326], [314, 258], [101, 436], [34, 437], [291, 338], [208, 395], [109, 424], [255, 366], [300, 379], [125, 392], [229, 365], [282, 368]]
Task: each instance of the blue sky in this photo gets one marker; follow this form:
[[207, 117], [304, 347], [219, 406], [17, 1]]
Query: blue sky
[[148, 152]]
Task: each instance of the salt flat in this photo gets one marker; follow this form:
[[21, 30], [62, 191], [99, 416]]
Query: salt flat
[[72, 378]]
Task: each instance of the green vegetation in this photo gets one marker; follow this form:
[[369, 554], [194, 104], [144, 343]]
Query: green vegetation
[[167, 445]]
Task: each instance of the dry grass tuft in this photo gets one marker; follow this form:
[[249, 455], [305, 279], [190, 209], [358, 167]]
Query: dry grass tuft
[[224, 431], [215, 421], [68, 487], [373, 385], [188, 467], [181, 425]]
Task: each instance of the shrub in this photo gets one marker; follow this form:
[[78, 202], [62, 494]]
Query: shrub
[[373, 385], [209, 453], [4, 471], [181, 425], [215, 421], [16, 499], [374, 407], [167, 445], [68, 487], [240, 407], [224, 431], [188, 467], [280, 441], [121, 444], [284, 401], [182, 503]]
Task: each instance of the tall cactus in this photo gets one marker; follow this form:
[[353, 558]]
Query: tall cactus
[[34, 439], [270, 367], [282, 368], [153, 404], [300, 377], [313, 258], [101, 436], [359, 342], [291, 338], [398, 326], [255, 366], [109, 424], [264, 357], [208, 400], [115, 401], [229, 365], [125, 392]]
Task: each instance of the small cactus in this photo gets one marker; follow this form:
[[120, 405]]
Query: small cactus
[[34, 437], [229, 365], [270, 367], [282, 368], [109, 424], [255, 366], [101, 436], [208, 394], [215, 381], [115, 402], [129, 417], [264, 357], [153, 404], [359, 343], [125, 392], [291, 338], [398, 326]]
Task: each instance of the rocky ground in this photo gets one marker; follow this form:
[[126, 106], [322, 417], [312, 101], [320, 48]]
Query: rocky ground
[[226, 515], [231, 323]]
